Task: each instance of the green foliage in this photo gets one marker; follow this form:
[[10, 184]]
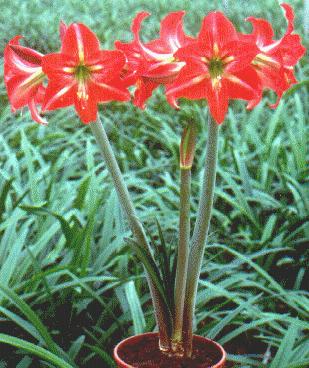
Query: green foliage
[[70, 289]]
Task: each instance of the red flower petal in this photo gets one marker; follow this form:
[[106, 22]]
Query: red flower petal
[[172, 35], [108, 64], [23, 76], [289, 78], [137, 22], [262, 31], [193, 50], [143, 91], [24, 55], [242, 53], [19, 91], [150, 64], [289, 14], [114, 90], [142, 48], [62, 29], [58, 64], [275, 60], [35, 114], [19, 59], [133, 51], [193, 73], [243, 85], [277, 80], [39, 97], [217, 30], [87, 109], [60, 92], [163, 72], [80, 43], [218, 101], [289, 51], [191, 83]]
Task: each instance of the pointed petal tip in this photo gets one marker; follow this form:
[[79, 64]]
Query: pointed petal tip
[[87, 122], [62, 29], [172, 101], [289, 14], [143, 14], [178, 13], [218, 120], [138, 19], [140, 106], [36, 116], [15, 40], [136, 23], [274, 105]]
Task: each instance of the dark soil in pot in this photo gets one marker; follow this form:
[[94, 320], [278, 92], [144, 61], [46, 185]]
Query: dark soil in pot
[[144, 353]]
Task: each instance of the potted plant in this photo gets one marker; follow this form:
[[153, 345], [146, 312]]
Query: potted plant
[[218, 65]]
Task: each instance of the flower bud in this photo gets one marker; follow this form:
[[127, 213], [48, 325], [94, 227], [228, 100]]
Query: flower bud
[[187, 146]]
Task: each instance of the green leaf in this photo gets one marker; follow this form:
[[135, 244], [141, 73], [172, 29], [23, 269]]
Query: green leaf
[[103, 355], [152, 269], [35, 350], [230, 316], [81, 193], [33, 318], [4, 193], [76, 347], [295, 88], [139, 323], [286, 348], [40, 209]]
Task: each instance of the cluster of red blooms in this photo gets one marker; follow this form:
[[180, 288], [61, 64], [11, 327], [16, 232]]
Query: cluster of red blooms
[[218, 65]]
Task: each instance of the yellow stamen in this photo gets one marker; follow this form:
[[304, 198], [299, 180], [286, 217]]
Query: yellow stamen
[[265, 60], [95, 68], [228, 59], [205, 59], [82, 92], [67, 69], [33, 79], [216, 82]]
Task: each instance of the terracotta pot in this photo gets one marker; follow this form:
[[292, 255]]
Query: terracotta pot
[[142, 351]]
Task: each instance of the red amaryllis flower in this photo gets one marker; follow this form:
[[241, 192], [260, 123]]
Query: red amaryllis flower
[[153, 63], [276, 58], [83, 75], [218, 67], [23, 77]]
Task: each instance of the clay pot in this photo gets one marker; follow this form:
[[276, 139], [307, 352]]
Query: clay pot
[[142, 351]]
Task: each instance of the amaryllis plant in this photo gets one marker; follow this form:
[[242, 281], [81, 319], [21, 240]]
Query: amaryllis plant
[[217, 65]]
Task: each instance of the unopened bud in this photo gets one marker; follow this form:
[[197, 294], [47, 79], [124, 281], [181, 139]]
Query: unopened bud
[[187, 146]]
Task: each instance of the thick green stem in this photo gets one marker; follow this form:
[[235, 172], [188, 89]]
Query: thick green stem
[[134, 223], [182, 259], [200, 233]]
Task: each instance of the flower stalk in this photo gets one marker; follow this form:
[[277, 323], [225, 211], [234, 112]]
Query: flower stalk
[[187, 148], [200, 233], [182, 260], [134, 223]]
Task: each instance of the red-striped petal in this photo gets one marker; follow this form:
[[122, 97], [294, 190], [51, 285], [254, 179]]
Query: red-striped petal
[[143, 91], [217, 30], [80, 43], [33, 107], [59, 93], [172, 35]]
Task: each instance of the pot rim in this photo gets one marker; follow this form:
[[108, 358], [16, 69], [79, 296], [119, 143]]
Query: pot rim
[[123, 342]]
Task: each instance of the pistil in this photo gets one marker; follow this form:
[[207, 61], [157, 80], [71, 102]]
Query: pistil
[[82, 75]]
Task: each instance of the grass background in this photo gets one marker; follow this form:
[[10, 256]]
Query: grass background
[[69, 288]]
